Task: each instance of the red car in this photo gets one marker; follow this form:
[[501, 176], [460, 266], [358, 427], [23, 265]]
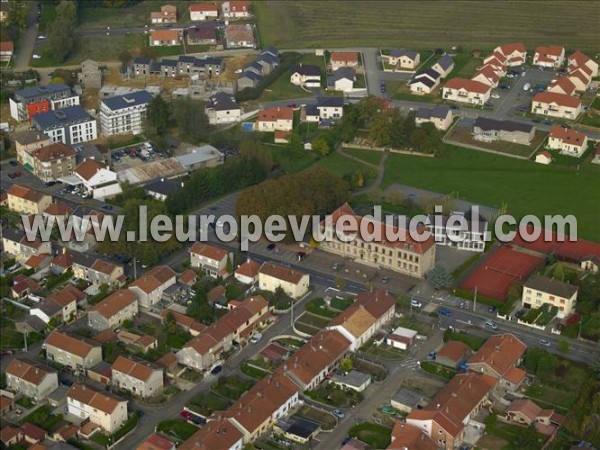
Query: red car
[[17, 174], [186, 415]]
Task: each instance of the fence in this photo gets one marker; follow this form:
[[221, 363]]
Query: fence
[[387, 149]]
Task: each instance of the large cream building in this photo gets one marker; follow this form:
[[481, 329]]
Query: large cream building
[[539, 290]]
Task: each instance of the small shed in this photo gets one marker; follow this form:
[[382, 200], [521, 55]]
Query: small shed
[[354, 380], [406, 400], [401, 338]]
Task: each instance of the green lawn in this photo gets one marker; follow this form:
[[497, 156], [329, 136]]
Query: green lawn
[[417, 25], [179, 429], [369, 156], [231, 387], [526, 187], [377, 436], [206, 403], [340, 165], [319, 307], [472, 341], [341, 303], [313, 320], [438, 369], [290, 162], [333, 395], [282, 89], [43, 418], [48, 16], [553, 396]]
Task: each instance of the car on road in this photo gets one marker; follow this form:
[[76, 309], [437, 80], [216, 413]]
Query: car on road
[[300, 256], [339, 413], [384, 280], [545, 343], [216, 370], [491, 325], [36, 56], [527, 86], [495, 96], [14, 163], [416, 303], [432, 355], [336, 266], [256, 338], [271, 247], [444, 312], [492, 309]]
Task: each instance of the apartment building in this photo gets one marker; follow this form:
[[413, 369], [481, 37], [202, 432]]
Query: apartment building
[[139, 378], [76, 352], [70, 125], [470, 236], [31, 379], [273, 276], [25, 200], [124, 114], [539, 290], [115, 309], [27, 142], [107, 411], [402, 254], [26, 103], [211, 259], [51, 162]]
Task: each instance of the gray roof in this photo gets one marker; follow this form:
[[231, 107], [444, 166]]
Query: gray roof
[[439, 112], [302, 427], [209, 61], [423, 79], [407, 397], [13, 234], [550, 286], [168, 63], [341, 73], [203, 31], [268, 58], [198, 155], [50, 307], [163, 186], [128, 100], [29, 137], [312, 110], [186, 59], [61, 117], [429, 73], [488, 124], [38, 91], [353, 378], [307, 69], [83, 259], [222, 102], [270, 50], [330, 101], [445, 61], [403, 52], [251, 75], [142, 60]]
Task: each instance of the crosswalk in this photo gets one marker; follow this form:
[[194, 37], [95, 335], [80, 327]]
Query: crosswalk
[[410, 363]]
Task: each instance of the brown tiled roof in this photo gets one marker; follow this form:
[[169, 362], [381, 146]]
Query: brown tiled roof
[[154, 279], [507, 49], [58, 209], [515, 375], [64, 260], [551, 50], [249, 269], [202, 343], [93, 398], [274, 114], [257, 405], [559, 99], [33, 432], [88, 168], [239, 6], [104, 266], [188, 277], [183, 320], [107, 335], [67, 431], [215, 435], [454, 351], [53, 152], [216, 293], [356, 320], [114, 303], [377, 302], [347, 57], [500, 352], [26, 193], [8, 433], [454, 403], [565, 84], [156, 442], [323, 348], [5, 402], [468, 85], [280, 272], [208, 251], [405, 436], [67, 295], [29, 371], [164, 35], [6, 46], [167, 360], [567, 135], [237, 33], [70, 344], [132, 368], [197, 7]]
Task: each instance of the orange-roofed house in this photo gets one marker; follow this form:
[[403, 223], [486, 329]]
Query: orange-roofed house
[[107, 411], [578, 59], [344, 59], [562, 85], [453, 353], [552, 56], [220, 434], [247, 273], [203, 11], [523, 411], [448, 414], [514, 53], [24, 200], [30, 379], [58, 211], [73, 351], [272, 276], [235, 10], [487, 75], [263, 405], [556, 105], [6, 50], [392, 248], [277, 118], [211, 259], [98, 179], [189, 324], [543, 157], [499, 357], [115, 309], [466, 91], [164, 38], [310, 365], [188, 277], [167, 14], [149, 288], [139, 378], [51, 162], [581, 77], [156, 442], [567, 140], [405, 436]]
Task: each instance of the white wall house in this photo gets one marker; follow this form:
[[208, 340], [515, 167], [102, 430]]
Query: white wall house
[[70, 125], [124, 114]]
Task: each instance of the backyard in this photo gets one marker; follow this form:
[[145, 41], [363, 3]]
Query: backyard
[[231, 387], [205, 403], [178, 429], [481, 177], [377, 436], [310, 323], [333, 395], [417, 25]]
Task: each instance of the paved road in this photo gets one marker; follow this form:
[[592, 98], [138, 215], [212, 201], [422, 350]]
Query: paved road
[[28, 38]]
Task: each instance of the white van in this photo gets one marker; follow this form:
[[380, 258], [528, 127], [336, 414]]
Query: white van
[[255, 338]]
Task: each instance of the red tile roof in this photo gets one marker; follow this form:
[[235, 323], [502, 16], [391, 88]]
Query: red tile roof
[[115, 302], [507, 49], [468, 85], [568, 135], [580, 58], [188, 277], [281, 272], [454, 351], [239, 6], [500, 352], [28, 371], [405, 436], [54, 152], [549, 51], [559, 99], [249, 269], [132, 368], [88, 168], [274, 114], [6, 46], [154, 279], [215, 435], [26, 193], [70, 344], [565, 84], [346, 57], [95, 399], [207, 7], [156, 442], [58, 209], [164, 35], [209, 251]]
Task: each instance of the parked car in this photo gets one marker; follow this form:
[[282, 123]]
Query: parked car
[[492, 309], [256, 338], [526, 86], [416, 303], [444, 312], [495, 96], [384, 280], [432, 355], [14, 163], [216, 370], [545, 343], [339, 413], [271, 247], [491, 325]]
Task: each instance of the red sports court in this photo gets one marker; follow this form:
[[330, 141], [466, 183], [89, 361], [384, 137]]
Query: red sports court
[[573, 251], [502, 268]]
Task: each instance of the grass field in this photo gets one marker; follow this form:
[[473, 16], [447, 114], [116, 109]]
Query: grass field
[[340, 165], [463, 135], [369, 156], [426, 24], [526, 187], [282, 89]]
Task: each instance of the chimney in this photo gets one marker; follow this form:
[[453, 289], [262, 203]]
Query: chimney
[[437, 406], [447, 410]]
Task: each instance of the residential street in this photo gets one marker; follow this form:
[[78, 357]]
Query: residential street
[[28, 38]]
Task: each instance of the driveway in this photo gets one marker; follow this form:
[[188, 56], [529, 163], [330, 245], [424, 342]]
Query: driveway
[[28, 38]]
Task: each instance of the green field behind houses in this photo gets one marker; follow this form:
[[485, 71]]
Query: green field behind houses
[[427, 24], [526, 187]]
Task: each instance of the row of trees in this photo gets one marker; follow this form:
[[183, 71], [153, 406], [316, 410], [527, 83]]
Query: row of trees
[[205, 184], [314, 191]]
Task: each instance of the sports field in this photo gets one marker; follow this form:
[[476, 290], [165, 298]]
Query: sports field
[[427, 24], [523, 186]]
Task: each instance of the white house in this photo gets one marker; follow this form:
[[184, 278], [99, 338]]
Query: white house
[[203, 11], [308, 75], [567, 140], [342, 80], [543, 157], [31, 379], [149, 288], [552, 56], [425, 82], [141, 379], [401, 338], [235, 9], [107, 411], [98, 179], [124, 114], [70, 125], [211, 259], [440, 116], [466, 91], [275, 119], [222, 108], [556, 105], [272, 276], [330, 108]]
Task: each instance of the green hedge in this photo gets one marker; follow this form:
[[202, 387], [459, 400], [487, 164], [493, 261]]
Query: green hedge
[[472, 341]]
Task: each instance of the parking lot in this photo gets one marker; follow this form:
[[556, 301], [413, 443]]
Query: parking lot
[[134, 156]]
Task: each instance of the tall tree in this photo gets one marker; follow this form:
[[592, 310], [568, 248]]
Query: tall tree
[[125, 57], [17, 13], [439, 278], [158, 115], [191, 119], [61, 37]]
